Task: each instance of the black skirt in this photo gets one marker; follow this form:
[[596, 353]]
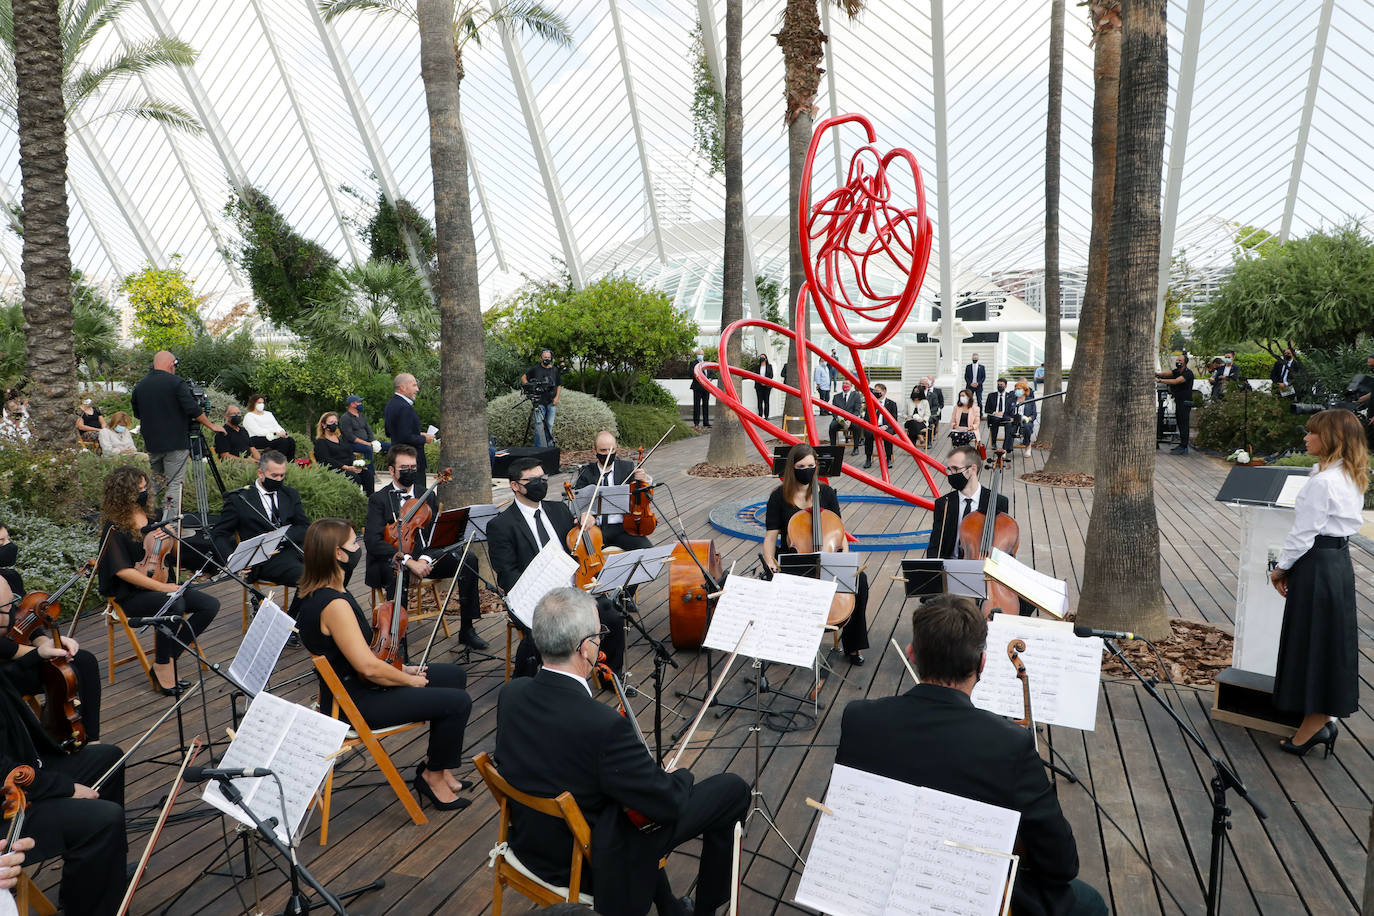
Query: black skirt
[[1318, 668]]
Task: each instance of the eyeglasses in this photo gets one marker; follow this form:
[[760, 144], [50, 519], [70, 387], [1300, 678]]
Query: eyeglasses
[[958, 470], [600, 636]]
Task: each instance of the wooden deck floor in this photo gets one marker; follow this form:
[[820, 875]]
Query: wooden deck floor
[[1150, 786]]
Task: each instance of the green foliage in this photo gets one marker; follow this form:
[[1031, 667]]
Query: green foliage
[[575, 425], [1329, 370], [1307, 461], [1254, 365], [62, 485], [219, 361], [1221, 425], [164, 305], [286, 270], [49, 551], [324, 493], [1254, 240], [1313, 292], [708, 107], [371, 317], [641, 425], [505, 365], [299, 388], [384, 233], [95, 326]]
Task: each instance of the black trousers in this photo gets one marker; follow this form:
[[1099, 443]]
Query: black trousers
[[1184, 411], [87, 833], [994, 427], [715, 805], [868, 448], [195, 607], [284, 444], [527, 660], [701, 408], [854, 634], [444, 704], [616, 536], [469, 603], [28, 681], [763, 395], [824, 394], [284, 567]]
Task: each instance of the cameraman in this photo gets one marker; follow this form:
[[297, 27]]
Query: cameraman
[[1181, 387], [165, 406], [549, 381]]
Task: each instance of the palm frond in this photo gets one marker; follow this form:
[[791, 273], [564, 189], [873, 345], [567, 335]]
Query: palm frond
[[136, 59], [332, 9], [168, 113], [82, 21], [851, 8], [540, 20], [7, 25]]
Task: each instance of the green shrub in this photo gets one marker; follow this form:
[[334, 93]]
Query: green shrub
[[579, 418], [49, 551], [223, 362], [641, 425], [1307, 461], [164, 305], [505, 365], [1254, 365], [61, 485], [1221, 425], [642, 390], [324, 493]]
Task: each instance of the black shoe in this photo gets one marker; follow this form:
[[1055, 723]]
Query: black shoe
[[468, 637], [463, 784], [1179, 450], [1325, 735], [686, 907], [293, 641], [423, 790], [855, 658], [868, 464]]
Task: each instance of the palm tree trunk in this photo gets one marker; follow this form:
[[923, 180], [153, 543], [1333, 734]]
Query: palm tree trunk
[[462, 364], [1075, 451], [1121, 586], [47, 248], [729, 447], [1050, 411]]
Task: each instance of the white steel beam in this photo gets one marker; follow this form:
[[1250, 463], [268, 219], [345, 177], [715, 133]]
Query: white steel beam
[[11, 211], [830, 91], [304, 123], [948, 345], [515, 58], [638, 130], [1305, 125], [487, 216], [100, 238], [151, 250], [1178, 148]]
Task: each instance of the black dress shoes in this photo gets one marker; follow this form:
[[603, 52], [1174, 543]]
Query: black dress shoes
[[468, 637]]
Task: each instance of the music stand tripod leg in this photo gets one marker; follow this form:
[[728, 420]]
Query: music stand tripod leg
[[758, 803]]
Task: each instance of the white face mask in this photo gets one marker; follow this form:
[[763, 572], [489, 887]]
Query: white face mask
[[963, 400], [259, 407]]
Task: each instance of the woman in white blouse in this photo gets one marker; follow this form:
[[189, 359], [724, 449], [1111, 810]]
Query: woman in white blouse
[[264, 432], [1317, 673], [116, 439]]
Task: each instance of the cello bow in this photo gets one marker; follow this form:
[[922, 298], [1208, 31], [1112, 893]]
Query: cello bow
[[157, 827], [706, 704]]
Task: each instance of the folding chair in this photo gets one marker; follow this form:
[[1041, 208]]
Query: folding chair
[[270, 587], [114, 614], [29, 899]]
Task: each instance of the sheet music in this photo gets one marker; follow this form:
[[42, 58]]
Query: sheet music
[[882, 852], [1288, 496], [632, 567], [261, 647], [551, 568], [292, 741], [789, 614], [479, 516], [1065, 672], [255, 550], [1045, 592]]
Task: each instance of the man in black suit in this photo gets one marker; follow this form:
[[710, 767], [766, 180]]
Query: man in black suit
[[996, 408], [263, 506], [402, 423], [967, 495], [1284, 374], [1228, 371], [848, 399], [612, 472], [383, 508], [701, 396], [880, 392], [163, 403], [934, 736], [974, 376], [937, 404], [514, 539], [552, 736]]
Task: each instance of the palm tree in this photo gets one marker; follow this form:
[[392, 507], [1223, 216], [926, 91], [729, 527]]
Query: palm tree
[[1050, 411], [1121, 588], [801, 40], [444, 31], [1076, 452], [47, 263], [372, 317], [729, 446]]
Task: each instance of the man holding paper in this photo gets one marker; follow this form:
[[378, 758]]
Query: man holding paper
[[934, 736], [514, 539], [265, 505], [552, 736]]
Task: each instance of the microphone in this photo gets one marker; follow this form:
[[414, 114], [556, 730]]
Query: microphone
[[152, 621], [1105, 634], [200, 774], [177, 520]]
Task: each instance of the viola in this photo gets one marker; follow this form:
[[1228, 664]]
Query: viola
[[390, 618], [640, 520], [980, 532], [824, 531], [61, 716], [156, 552], [642, 823], [585, 545]]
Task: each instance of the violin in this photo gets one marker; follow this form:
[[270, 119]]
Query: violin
[[980, 532], [642, 823], [640, 520], [156, 552], [585, 545], [16, 803], [39, 611], [824, 530], [390, 618]]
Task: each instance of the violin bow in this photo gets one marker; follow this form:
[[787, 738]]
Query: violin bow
[[582, 528], [905, 661], [651, 451], [191, 752], [146, 735], [100, 555], [439, 618], [710, 697]]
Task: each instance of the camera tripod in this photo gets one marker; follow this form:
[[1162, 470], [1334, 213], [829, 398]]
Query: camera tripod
[[533, 393]]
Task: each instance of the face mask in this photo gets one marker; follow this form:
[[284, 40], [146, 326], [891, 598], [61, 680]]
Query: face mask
[[958, 480], [121, 429], [605, 460], [9, 555], [975, 359], [546, 362], [536, 489], [351, 561], [272, 484], [700, 358], [804, 475], [406, 477], [332, 427], [963, 400], [845, 389], [1001, 387], [1226, 360], [259, 407], [142, 498], [1178, 365], [235, 420]]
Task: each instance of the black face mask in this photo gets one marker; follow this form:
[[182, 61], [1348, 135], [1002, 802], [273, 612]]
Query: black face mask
[[235, 420], [804, 475], [9, 555], [272, 484], [605, 460], [406, 477], [958, 480], [332, 427], [546, 362], [348, 564], [536, 489], [142, 498]]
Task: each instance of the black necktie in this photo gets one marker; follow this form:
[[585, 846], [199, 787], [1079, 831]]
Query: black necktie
[[276, 517], [539, 527], [968, 507]]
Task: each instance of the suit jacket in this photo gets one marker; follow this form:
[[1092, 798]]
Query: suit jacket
[[851, 402], [402, 425], [382, 509], [590, 472], [1276, 373], [511, 545], [551, 736], [937, 402], [934, 736], [891, 406], [244, 515], [990, 406], [944, 524], [974, 375], [697, 385]]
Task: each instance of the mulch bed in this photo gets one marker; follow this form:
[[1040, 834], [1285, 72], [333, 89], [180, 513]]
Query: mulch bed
[[1047, 479], [1193, 654], [702, 469]]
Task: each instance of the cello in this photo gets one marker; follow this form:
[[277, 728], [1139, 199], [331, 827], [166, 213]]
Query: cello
[[389, 619], [39, 611], [980, 532], [824, 530]]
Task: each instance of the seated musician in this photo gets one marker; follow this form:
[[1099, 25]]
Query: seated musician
[[515, 537], [552, 736], [123, 510], [793, 495], [12, 862], [265, 505], [612, 472], [384, 508], [66, 818], [331, 624], [967, 495], [234, 443], [934, 736]]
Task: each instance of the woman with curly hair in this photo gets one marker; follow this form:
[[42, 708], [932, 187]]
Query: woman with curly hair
[[124, 512]]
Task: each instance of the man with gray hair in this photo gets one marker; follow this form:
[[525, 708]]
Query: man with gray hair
[[265, 505], [552, 736], [402, 423]]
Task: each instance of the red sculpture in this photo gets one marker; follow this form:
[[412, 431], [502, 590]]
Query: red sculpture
[[853, 224]]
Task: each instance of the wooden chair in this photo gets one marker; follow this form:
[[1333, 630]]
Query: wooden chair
[[360, 734], [509, 871], [376, 593], [270, 587], [29, 899], [114, 616]]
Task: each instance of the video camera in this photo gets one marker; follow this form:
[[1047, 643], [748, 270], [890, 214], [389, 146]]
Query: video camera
[[1359, 385], [202, 397], [536, 389]]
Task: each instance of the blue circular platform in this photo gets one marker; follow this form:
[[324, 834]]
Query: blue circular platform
[[745, 520]]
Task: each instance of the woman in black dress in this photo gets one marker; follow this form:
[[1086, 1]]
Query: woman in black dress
[[1318, 664], [123, 510], [331, 624], [793, 495], [331, 451], [763, 393]]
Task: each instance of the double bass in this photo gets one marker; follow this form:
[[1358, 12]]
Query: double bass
[[40, 611], [390, 618], [824, 531], [980, 532]]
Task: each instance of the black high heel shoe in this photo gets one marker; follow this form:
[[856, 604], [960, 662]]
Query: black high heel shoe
[[463, 784], [1324, 735], [173, 691], [423, 790]]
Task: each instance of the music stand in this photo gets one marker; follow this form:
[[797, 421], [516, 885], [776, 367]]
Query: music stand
[[449, 527], [926, 578], [611, 500], [479, 516], [829, 459]]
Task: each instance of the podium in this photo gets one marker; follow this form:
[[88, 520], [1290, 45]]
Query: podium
[[1244, 691]]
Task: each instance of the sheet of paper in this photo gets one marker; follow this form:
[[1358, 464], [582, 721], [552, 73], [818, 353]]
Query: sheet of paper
[[953, 880], [432, 431], [633, 567], [789, 614], [1288, 496], [1064, 670], [1045, 592], [966, 577], [551, 568], [261, 647], [296, 744]]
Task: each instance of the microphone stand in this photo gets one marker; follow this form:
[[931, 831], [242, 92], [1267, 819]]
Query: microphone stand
[[662, 658], [1225, 778]]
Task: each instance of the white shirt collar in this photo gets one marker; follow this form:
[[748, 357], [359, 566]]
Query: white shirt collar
[[580, 680], [404, 398]]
